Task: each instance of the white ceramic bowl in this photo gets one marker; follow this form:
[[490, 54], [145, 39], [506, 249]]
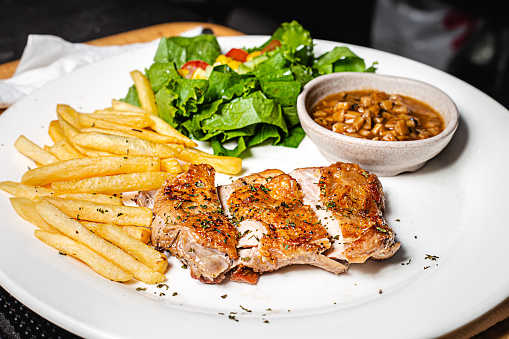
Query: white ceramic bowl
[[383, 158]]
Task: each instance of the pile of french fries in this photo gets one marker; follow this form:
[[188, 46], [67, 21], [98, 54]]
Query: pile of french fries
[[74, 194]]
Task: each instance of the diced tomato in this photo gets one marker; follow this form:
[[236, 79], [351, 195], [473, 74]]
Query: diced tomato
[[189, 67], [237, 54], [271, 46]]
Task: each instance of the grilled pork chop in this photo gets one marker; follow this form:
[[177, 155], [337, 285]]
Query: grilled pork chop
[[349, 201], [275, 227], [190, 224]]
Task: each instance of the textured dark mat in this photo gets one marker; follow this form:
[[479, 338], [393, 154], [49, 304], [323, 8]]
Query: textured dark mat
[[18, 321]]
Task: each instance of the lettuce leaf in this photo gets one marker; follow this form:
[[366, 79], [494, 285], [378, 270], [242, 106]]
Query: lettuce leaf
[[340, 59], [236, 111], [225, 83], [241, 112], [182, 49]]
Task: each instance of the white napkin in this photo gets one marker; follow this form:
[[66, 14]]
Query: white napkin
[[48, 57]]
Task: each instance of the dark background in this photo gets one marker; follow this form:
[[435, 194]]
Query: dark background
[[479, 53]]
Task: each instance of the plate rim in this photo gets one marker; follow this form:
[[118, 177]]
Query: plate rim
[[55, 315]]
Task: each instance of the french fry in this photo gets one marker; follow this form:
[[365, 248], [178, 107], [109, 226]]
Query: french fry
[[144, 253], [131, 119], [115, 184], [177, 148], [111, 111], [33, 151], [115, 214], [70, 131], [222, 164], [69, 114], [26, 209], [118, 105], [138, 232], [73, 248], [34, 192], [141, 233], [95, 157], [107, 109], [89, 121], [63, 150], [89, 167], [171, 165], [135, 133], [92, 197], [159, 125], [24, 191], [162, 127], [123, 145], [145, 92], [74, 230], [55, 131], [86, 121]]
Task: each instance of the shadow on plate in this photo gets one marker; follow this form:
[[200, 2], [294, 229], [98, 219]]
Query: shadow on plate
[[371, 266], [452, 152]]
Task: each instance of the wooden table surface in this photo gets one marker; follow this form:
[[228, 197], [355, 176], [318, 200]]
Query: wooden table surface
[[498, 331]]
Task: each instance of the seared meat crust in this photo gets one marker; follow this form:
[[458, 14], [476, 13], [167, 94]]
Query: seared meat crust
[[327, 217], [191, 225], [353, 201], [285, 230]]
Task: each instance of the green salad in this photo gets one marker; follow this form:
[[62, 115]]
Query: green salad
[[244, 98]]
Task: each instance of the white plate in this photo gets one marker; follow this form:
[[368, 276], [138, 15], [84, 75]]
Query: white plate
[[454, 208]]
